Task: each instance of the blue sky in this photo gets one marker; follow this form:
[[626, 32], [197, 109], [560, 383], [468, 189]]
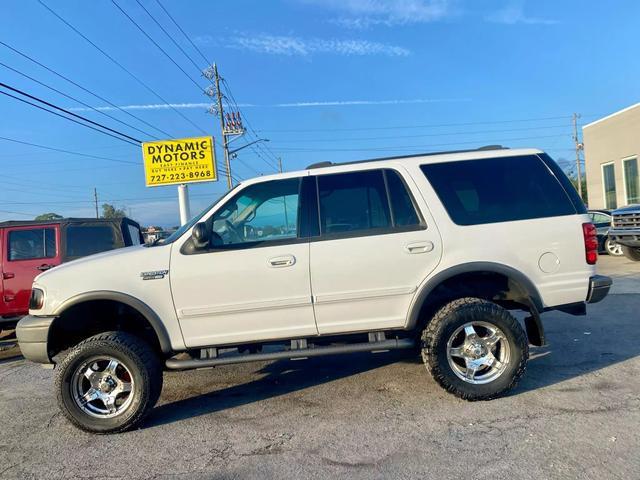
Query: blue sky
[[322, 80]]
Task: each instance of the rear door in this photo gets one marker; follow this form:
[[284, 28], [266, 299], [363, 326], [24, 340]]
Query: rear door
[[376, 244], [27, 252]]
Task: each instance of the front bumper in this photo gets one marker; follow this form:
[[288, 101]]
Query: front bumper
[[625, 236], [599, 286], [33, 335]]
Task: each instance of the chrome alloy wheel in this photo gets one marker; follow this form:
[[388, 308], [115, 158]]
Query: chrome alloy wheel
[[478, 352], [102, 387], [613, 248]]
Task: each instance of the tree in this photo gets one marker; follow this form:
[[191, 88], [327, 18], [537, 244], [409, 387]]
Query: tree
[[574, 181], [48, 216], [109, 211]]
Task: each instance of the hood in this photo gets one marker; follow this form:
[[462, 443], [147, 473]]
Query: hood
[[628, 209], [118, 258]]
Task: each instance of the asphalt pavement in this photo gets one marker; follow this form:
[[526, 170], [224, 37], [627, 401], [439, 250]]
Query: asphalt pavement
[[575, 414]]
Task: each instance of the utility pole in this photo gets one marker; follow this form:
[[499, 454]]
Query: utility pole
[[230, 123], [225, 141], [279, 164], [579, 146], [95, 199]]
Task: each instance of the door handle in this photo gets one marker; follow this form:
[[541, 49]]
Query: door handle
[[419, 247], [8, 275], [283, 261], [44, 267]]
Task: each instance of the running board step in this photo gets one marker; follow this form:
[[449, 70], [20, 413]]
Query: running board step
[[396, 344]]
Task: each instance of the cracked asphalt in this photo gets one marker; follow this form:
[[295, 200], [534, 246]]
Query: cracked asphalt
[[575, 414]]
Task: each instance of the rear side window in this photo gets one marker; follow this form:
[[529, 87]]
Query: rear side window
[[404, 212], [89, 239], [498, 190], [32, 244], [353, 202]]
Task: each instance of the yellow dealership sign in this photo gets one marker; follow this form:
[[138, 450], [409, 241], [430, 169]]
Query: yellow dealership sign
[[183, 160]]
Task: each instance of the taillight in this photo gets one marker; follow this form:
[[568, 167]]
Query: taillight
[[590, 243]]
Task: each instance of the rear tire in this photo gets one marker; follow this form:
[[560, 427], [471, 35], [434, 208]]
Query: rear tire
[[475, 349], [109, 382], [631, 253]]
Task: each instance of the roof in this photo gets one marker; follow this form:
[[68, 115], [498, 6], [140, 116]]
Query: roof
[[417, 158], [24, 223], [615, 114]]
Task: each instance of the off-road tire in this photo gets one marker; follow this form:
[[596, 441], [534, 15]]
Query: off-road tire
[[141, 361], [631, 253], [445, 322]]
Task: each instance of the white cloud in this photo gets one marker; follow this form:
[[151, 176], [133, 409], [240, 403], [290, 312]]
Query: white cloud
[[513, 13], [298, 46], [361, 14], [330, 103]]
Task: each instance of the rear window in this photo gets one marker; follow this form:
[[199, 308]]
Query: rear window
[[90, 239], [498, 190]]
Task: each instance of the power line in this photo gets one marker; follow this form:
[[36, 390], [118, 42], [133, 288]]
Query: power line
[[51, 105], [24, 55], [446, 134], [69, 152], [76, 100], [157, 45], [411, 147], [67, 118], [123, 68], [183, 33], [490, 122], [168, 35]]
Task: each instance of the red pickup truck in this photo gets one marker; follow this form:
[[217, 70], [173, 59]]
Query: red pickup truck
[[31, 247]]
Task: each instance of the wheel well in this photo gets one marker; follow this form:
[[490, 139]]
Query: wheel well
[[91, 317], [496, 287]]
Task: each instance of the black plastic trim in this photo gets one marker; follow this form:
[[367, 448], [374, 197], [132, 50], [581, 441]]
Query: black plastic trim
[[144, 309], [516, 276], [599, 286]]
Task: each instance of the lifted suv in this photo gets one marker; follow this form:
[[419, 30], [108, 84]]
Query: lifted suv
[[625, 230], [430, 253]]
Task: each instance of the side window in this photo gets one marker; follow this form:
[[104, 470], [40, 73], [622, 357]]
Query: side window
[[402, 207], [601, 218], [134, 234], [261, 212], [32, 244], [84, 240], [353, 202], [476, 192]]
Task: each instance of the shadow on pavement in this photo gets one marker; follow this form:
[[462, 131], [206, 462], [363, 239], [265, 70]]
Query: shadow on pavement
[[608, 335]]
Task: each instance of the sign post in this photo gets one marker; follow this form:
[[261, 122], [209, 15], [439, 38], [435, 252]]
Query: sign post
[[180, 162]]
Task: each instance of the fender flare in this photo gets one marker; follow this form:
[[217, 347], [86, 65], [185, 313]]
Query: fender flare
[[138, 305], [520, 279]]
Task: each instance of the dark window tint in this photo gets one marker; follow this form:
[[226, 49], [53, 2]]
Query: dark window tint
[[498, 190], [404, 212], [351, 202], [89, 239], [32, 244]]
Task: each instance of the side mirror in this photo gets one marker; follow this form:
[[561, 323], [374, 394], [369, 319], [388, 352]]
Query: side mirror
[[200, 235]]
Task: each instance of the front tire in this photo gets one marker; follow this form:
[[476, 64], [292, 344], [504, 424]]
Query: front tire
[[109, 382], [631, 253], [475, 349], [612, 248]]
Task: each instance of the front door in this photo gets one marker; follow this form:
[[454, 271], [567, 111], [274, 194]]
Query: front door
[[252, 282], [28, 251], [376, 245]]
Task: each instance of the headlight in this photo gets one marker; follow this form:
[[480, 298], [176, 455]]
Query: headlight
[[36, 301]]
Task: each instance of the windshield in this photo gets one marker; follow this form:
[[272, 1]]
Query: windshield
[[178, 233]]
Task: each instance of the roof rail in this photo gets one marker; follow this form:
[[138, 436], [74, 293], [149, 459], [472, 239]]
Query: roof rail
[[480, 149]]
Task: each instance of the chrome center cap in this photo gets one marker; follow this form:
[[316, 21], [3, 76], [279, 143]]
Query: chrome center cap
[[107, 385]]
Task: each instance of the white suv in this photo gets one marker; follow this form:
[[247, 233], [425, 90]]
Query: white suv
[[430, 253]]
